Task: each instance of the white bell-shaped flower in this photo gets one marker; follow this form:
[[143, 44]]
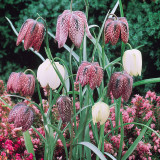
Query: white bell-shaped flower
[[132, 62], [100, 112], [46, 74]]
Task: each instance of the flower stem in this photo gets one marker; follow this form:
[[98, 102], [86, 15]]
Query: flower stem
[[129, 45], [101, 139], [70, 152], [71, 5], [114, 15]]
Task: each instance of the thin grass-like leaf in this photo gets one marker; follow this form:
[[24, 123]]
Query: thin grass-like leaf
[[122, 138], [94, 149], [38, 134], [28, 143], [61, 137], [146, 81], [112, 63], [135, 143], [109, 155], [140, 124]]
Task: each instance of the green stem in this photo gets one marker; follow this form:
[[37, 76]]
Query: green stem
[[129, 45], [101, 139], [146, 81], [72, 81], [71, 146], [28, 143], [122, 138], [117, 112], [71, 5]]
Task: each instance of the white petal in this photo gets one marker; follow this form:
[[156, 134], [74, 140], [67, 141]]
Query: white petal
[[127, 57], [138, 61]]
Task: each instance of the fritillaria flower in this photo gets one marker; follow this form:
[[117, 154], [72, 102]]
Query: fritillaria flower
[[132, 62], [64, 104], [21, 83], [22, 116], [90, 73], [100, 112], [72, 24], [120, 84], [114, 27], [32, 32], [47, 76]]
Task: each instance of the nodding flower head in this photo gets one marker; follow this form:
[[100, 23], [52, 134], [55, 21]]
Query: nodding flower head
[[22, 116], [32, 32], [47, 75], [72, 23], [64, 104], [100, 112], [120, 84], [114, 27], [132, 62], [21, 83], [90, 73]]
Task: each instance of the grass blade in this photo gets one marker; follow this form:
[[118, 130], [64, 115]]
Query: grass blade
[[109, 155], [61, 137], [94, 149], [135, 143], [146, 81]]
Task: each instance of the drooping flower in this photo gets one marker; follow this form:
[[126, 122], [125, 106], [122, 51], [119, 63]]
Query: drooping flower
[[46, 74], [72, 23], [114, 27], [120, 84], [21, 83], [100, 112], [90, 73], [22, 116], [64, 104], [132, 62], [32, 32]]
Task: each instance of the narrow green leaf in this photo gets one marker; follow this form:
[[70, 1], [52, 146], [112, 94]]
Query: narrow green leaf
[[112, 63], [38, 134], [135, 143], [109, 155], [94, 149], [61, 137], [28, 143], [146, 81], [122, 138], [140, 124]]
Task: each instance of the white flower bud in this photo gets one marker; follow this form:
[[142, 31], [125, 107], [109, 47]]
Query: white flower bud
[[46, 74], [100, 112]]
